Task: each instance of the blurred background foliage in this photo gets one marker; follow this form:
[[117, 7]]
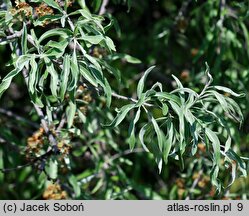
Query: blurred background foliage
[[176, 36]]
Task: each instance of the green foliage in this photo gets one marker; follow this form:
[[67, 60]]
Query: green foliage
[[185, 123], [63, 57]]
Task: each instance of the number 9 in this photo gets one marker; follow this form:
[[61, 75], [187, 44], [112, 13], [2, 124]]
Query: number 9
[[240, 206]]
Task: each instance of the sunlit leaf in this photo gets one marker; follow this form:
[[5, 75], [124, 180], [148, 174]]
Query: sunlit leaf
[[65, 76], [53, 4], [71, 110], [131, 131], [216, 144], [73, 181], [32, 75], [121, 115], [140, 86]]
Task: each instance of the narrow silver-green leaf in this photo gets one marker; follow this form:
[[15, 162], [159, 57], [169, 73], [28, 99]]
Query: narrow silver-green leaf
[[131, 131], [180, 112], [93, 61], [168, 97], [64, 33], [140, 86], [207, 72], [52, 169], [214, 177], [221, 100], [110, 43], [74, 72], [189, 116], [160, 135], [103, 82], [126, 57], [73, 181], [108, 92], [233, 173], [64, 76], [141, 137], [178, 82], [194, 134], [54, 76], [116, 72], [24, 39], [228, 144], [88, 76], [22, 61], [228, 90], [165, 109], [7, 81], [32, 75], [82, 116], [93, 39], [236, 109], [216, 144], [70, 113], [48, 18], [121, 115], [168, 143], [188, 90], [141, 100], [61, 45], [242, 165], [84, 12]]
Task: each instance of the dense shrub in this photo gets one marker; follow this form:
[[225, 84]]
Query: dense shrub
[[123, 99]]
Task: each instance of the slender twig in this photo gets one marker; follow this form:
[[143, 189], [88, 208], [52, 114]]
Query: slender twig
[[194, 183], [17, 117], [124, 97], [129, 99], [80, 48], [70, 22], [16, 35], [11, 37], [124, 153], [40, 158], [62, 123], [11, 145], [15, 168], [103, 7], [75, 40]]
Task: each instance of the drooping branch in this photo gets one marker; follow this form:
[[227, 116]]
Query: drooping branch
[[37, 159], [25, 74], [44, 123]]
